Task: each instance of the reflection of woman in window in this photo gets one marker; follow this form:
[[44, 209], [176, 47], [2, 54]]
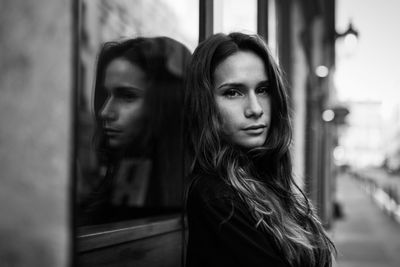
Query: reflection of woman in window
[[137, 102], [244, 208]]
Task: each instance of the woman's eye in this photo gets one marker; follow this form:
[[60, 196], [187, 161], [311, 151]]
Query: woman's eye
[[262, 90], [127, 96], [231, 93], [130, 96]]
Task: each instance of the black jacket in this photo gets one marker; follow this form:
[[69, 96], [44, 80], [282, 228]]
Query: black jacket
[[222, 231]]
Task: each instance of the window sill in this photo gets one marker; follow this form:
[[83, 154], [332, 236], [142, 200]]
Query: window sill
[[99, 236]]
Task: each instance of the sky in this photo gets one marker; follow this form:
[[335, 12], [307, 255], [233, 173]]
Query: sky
[[372, 70]]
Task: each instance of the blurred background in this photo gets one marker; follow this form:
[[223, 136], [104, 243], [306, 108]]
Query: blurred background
[[341, 61]]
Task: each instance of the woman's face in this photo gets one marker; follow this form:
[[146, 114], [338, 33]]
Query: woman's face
[[123, 111], [241, 92]]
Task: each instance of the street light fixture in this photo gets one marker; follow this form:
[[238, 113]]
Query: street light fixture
[[349, 32], [350, 38]]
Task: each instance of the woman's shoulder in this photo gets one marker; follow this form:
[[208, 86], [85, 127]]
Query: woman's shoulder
[[209, 187]]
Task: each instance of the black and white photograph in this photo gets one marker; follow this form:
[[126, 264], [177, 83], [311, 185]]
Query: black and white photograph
[[200, 133]]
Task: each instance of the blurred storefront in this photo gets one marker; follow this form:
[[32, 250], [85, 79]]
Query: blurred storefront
[[306, 48]]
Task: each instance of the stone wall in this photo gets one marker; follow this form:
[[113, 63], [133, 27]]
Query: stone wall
[[35, 131]]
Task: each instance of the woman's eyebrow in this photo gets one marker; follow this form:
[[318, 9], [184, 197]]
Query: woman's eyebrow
[[264, 83], [238, 85], [126, 88]]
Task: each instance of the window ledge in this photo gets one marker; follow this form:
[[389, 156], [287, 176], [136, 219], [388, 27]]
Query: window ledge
[[99, 236]]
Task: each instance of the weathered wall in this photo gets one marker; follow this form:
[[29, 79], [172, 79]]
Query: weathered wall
[[35, 131]]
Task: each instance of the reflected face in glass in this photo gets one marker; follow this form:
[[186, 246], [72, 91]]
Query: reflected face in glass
[[123, 111], [241, 92]]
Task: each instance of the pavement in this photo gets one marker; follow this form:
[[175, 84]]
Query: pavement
[[366, 236]]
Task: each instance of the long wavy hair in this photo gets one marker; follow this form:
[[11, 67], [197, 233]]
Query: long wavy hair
[[164, 62], [262, 177]]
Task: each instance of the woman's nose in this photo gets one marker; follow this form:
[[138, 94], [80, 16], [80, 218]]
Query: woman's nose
[[107, 112], [253, 107]]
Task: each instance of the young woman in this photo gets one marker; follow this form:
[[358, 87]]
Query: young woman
[[243, 206], [137, 103]]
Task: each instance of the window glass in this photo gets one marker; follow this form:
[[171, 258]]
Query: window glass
[[235, 15], [272, 28], [129, 154]]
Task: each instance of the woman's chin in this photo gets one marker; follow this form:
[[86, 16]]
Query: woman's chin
[[251, 143], [115, 144]]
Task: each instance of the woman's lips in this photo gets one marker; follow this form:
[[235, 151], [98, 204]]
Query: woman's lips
[[111, 131], [255, 129]]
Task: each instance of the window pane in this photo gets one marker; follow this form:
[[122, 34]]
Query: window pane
[[272, 28], [132, 169], [235, 15]]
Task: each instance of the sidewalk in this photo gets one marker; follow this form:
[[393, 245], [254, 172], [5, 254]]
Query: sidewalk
[[365, 236], [384, 187]]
